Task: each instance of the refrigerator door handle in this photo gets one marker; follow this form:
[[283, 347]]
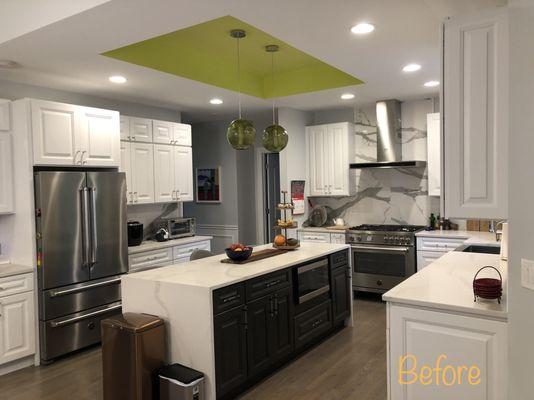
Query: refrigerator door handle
[[86, 244], [94, 238]]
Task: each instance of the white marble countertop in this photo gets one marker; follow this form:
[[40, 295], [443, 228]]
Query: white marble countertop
[[149, 245], [14, 269], [478, 237], [447, 284], [210, 273]]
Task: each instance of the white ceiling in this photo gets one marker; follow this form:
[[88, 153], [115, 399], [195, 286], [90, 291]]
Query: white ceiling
[[65, 54]]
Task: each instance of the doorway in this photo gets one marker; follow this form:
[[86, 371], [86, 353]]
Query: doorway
[[271, 190]]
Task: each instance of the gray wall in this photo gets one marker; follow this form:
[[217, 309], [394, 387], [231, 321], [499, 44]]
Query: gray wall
[[13, 91], [521, 193]]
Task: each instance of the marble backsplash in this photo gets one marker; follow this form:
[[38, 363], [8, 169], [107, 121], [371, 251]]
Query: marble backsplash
[[388, 196]]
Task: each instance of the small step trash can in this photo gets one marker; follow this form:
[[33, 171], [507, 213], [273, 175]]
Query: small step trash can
[[133, 349], [177, 382]]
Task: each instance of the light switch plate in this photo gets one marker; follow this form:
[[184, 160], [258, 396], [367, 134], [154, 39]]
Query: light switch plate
[[527, 274]]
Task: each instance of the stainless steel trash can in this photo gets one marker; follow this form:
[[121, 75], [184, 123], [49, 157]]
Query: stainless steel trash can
[[177, 382]]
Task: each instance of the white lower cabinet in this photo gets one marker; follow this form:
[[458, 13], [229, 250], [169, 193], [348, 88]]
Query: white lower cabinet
[[425, 258], [431, 248], [470, 352], [17, 318], [320, 237]]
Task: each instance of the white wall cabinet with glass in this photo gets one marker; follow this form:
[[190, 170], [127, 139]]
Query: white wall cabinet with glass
[[476, 131], [6, 159], [329, 148]]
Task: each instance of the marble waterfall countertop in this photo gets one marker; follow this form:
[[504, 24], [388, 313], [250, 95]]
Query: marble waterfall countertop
[[210, 273], [149, 245], [471, 237], [447, 284], [14, 269]]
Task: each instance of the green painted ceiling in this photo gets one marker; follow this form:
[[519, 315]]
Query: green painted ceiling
[[206, 53]]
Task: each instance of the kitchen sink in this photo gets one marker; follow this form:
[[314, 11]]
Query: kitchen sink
[[477, 248]]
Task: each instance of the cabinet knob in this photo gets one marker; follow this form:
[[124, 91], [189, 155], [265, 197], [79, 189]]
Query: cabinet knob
[[379, 282]]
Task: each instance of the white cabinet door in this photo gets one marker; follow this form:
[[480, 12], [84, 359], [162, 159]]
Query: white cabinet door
[[55, 131], [425, 258], [142, 163], [126, 167], [125, 127], [182, 134], [459, 341], [476, 81], [163, 132], [99, 137], [338, 238], [183, 173], [314, 237], [317, 167], [338, 159], [164, 173], [141, 129], [433, 154], [5, 115], [6, 174], [17, 333]]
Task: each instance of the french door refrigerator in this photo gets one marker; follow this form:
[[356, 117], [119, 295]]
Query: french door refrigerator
[[81, 252]]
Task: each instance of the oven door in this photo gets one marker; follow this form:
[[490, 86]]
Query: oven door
[[312, 280], [380, 268]]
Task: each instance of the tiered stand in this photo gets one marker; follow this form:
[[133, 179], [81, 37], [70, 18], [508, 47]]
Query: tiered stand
[[284, 224]]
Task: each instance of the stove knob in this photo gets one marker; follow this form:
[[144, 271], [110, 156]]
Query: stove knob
[[359, 238]]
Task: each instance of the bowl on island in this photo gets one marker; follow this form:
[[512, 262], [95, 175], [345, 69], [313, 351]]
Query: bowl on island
[[238, 252]]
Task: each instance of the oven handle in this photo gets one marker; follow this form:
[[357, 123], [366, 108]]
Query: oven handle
[[387, 248], [309, 267], [315, 293]]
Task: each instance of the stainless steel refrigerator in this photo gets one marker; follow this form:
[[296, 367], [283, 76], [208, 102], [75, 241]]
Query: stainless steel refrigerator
[[82, 249]]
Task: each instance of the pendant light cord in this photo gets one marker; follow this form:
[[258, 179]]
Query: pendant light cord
[[239, 77], [272, 78]]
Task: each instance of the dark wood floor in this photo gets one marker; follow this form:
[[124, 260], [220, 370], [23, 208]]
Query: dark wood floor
[[349, 365]]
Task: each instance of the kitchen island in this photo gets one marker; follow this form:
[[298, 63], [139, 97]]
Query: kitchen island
[[434, 322], [238, 323]]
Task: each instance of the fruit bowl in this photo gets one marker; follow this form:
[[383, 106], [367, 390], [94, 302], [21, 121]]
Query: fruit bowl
[[239, 255]]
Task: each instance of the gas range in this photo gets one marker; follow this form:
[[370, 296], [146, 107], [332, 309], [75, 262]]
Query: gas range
[[400, 235]]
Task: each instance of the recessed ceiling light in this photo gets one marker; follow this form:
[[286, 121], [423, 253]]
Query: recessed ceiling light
[[431, 83], [9, 64], [411, 68], [117, 79], [362, 28], [347, 96], [216, 101]]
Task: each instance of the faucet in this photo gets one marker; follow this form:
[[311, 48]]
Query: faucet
[[493, 228]]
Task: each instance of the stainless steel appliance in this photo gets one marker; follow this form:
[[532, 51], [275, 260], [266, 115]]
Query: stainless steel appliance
[[312, 280], [135, 233], [81, 252], [382, 255], [177, 227]]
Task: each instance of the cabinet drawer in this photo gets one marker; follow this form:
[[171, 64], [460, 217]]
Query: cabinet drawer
[[313, 323], [187, 250], [16, 284], [228, 297], [317, 237], [263, 285], [338, 238], [339, 259], [150, 258], [439, 244]]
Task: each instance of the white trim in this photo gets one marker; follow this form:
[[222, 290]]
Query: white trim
[[223, 235]]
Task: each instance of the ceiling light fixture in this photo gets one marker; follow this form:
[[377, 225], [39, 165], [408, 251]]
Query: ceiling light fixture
[[117, 79], [275, 136], [9, 64], [241, 132], [411, 68], [362, 28], [216, 101], [431, 83], [347, 96]]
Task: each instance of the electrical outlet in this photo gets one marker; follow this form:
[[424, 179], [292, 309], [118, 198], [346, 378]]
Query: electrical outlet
[[527, 274]]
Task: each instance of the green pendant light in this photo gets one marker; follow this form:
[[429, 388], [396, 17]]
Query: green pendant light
[[274, 136], [241, 132]]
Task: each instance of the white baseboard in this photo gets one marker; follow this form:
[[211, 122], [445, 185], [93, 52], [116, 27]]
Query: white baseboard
[[223, 235], [17, 364]]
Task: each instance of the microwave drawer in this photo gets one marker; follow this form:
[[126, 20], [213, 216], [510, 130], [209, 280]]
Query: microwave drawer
[[266, 284]]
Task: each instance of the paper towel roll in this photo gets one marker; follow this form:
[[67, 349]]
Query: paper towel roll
[[504, 242]]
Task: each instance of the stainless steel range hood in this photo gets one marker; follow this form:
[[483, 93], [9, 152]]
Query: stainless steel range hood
[[389, 139]]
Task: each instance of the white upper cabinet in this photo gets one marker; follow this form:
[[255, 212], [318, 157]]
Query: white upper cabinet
[[476, 132], [66, 134], [182, 134], [433, 154], [126, 167], [5, 115], [163, 132], [140, 129], [6, 174], [142, 170], [183, 172], [125, 127], [55, 128], [164, 172], [328, 158]]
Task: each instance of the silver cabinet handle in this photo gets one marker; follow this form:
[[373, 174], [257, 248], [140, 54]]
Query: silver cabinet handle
[[76, 156], [129, 137], [135, 197], [329, 189], [173, 194], [82, 317], [133, 138], [57, 293], [81, 159]]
